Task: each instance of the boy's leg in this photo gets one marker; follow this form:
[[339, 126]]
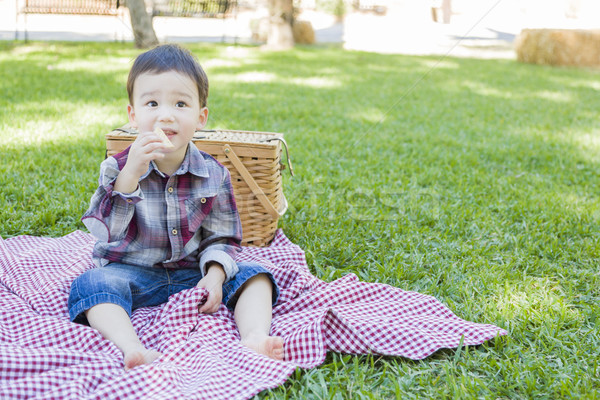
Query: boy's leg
[[253, 313], [114, 324], [106, 295]]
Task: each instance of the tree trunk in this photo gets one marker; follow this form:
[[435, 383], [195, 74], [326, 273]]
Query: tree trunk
[[280, 35], [141, 22]]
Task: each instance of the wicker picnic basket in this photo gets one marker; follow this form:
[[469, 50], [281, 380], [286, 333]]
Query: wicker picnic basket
[[254, 162]]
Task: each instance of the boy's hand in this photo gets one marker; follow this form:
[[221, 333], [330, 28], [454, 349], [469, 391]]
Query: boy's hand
[[213, 283], [143, 150]]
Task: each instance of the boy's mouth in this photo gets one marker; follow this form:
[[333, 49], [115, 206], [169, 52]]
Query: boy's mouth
[[169, 132]]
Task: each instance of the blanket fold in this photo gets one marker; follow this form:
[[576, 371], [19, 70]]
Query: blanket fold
[[44, 355]]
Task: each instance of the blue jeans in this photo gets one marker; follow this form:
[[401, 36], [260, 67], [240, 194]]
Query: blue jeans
[[134, 287]]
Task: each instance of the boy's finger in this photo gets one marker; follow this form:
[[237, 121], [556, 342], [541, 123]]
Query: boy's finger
[[148, 138], [208, 307], [207, 310]]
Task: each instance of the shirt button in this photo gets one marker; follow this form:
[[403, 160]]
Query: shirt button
[[203, 200], [174, 231], [129, 201], [170, 190]]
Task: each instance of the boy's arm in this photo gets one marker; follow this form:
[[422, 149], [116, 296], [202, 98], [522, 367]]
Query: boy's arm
[[213, 283], [221, 231], [112, 205], [110, 211]]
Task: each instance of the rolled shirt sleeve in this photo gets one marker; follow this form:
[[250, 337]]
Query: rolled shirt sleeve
[[215, 255]]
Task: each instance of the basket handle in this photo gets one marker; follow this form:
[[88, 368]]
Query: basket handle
[[287, 153], [258, 192]]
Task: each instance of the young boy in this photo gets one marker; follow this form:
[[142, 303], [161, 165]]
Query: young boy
[[165, 219]]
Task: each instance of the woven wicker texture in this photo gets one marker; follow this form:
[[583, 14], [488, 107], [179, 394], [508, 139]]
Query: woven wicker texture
[[256, 180], [237, 136]]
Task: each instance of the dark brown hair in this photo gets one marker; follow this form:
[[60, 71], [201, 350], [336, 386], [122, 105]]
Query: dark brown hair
[[169, 57]]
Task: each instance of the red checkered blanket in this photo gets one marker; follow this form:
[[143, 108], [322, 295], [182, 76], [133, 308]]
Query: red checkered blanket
[[43, 355]]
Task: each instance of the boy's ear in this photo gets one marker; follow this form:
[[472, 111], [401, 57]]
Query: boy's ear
[[131, 115], [203, 119]]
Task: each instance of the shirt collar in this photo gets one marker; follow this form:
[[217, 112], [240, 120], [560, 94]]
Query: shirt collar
[[193, 163]]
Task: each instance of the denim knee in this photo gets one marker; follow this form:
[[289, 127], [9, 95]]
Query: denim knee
[[96, 286], [247, 271]]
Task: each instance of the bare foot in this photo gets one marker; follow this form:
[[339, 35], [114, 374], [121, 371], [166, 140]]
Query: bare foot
[[139, 357], [270, 346]]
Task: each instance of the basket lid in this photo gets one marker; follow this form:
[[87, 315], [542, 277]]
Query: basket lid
[[217, 135], [237, 136]]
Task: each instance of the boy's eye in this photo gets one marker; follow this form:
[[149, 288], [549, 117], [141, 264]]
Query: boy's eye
[[181, 104], [152, 103]]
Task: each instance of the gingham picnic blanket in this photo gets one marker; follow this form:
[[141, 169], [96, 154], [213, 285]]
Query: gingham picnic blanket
[[43, 355]]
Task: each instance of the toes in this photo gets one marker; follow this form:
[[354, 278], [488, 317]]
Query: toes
[[270, 346], [275, 348], [138, 358], [134, 360]]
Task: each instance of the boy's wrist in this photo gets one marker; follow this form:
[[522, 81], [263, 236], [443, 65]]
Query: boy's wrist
[[215, 269], [126, 182]]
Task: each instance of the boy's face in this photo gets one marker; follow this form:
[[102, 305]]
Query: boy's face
[[168, 100]]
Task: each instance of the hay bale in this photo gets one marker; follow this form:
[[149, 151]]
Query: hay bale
[[559, 47], [303, 32]]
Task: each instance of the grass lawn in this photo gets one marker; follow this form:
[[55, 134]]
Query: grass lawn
[[475, 181]]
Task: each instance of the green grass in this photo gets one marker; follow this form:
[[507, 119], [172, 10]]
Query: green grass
[[475, 181]]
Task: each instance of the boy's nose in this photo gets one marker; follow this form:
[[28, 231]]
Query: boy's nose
[[166, 114]]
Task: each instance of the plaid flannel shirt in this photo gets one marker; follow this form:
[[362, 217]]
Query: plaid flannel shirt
[[180, 221]]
